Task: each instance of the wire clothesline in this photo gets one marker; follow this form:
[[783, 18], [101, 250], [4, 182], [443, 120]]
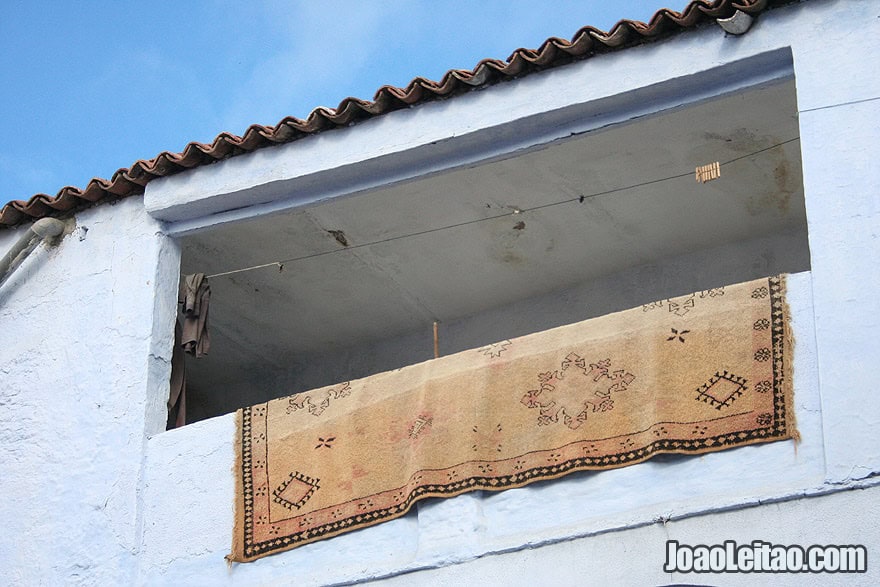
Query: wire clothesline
[[580, 199]]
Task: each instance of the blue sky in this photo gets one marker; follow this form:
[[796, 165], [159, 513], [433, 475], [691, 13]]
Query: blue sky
[[92, 86]]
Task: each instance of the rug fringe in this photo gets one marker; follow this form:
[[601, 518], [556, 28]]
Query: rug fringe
[[788, 372], [237, 553]]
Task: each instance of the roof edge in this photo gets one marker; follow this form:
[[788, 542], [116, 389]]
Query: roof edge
[[587, 42]]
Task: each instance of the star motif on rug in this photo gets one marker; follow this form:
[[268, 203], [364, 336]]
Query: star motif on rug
[[495, 349], [677, 335]]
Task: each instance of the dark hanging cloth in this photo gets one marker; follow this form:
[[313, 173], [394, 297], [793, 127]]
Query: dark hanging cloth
[[192, 338], [195, 295], [177, 397]]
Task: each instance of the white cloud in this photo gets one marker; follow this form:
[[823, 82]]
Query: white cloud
[[321, 47]]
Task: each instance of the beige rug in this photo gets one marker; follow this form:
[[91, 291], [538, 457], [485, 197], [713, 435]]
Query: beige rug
[[693, 374]]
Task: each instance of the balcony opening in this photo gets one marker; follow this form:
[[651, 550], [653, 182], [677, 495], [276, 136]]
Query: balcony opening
[[599, 222]]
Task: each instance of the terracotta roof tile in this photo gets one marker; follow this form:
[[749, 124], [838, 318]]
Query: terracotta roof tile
[[586, 42]]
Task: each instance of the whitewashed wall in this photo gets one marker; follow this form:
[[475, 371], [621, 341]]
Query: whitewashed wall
[[84, 348], [83, 359], [637, 556]]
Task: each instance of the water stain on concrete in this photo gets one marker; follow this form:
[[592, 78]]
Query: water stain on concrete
[[778, 198]]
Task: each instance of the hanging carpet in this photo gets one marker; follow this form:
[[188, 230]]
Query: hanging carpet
[[693, 374]]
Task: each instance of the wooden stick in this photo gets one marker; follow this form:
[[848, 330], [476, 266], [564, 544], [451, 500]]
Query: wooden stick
[[436, 341]]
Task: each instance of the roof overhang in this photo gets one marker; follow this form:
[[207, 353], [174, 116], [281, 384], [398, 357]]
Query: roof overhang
[[473, 129]]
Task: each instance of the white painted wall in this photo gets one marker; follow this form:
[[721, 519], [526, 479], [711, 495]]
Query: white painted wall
[[636, 556], [84, 345], [83, 362]]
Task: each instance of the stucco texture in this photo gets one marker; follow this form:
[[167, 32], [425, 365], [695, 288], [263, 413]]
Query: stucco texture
[[75, 345]]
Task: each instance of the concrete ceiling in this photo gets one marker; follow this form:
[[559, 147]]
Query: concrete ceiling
[[451, 245]]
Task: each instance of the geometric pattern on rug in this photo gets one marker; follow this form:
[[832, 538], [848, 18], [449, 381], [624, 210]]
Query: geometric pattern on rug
[[721, 390], [295, 491]]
